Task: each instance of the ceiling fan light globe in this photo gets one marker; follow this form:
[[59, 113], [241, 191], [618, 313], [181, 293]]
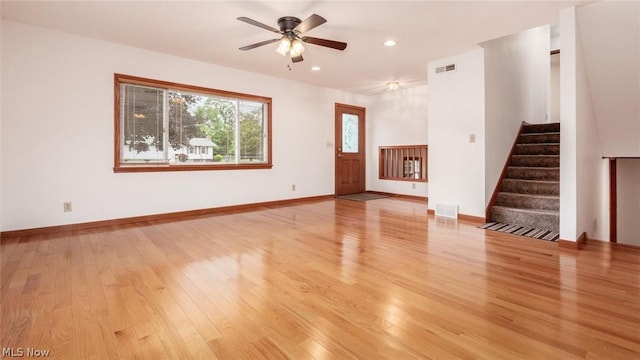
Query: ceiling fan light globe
[[296, 48], [284, 46]]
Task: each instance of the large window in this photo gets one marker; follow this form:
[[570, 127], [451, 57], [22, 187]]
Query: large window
[[162, 126]]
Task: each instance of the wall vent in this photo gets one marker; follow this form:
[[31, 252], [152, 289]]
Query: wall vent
[[441, 69], [447, 210]]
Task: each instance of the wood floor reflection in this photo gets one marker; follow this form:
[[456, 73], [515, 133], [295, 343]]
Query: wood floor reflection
[[332, 279]]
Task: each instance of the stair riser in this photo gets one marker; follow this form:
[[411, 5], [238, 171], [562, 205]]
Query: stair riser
[[541, 221], [537, 149], [530, 187], [527, 202], [552, 174], [541, 128], [539, 138], [532, 161]]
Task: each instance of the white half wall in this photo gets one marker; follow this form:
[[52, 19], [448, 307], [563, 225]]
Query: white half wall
[[396, 118], [516, 85], [628, 201], [57, 134], [456, 110]]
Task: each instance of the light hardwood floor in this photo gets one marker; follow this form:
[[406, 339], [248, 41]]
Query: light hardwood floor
[[332, 279]]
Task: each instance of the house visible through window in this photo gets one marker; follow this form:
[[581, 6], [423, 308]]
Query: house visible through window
[[165, 126]]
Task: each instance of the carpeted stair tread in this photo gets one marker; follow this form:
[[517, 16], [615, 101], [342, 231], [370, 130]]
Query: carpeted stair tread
[[541, 128], [537, 138], [539, 219], [528, 201], [530, 211], [535, 160], [534, 187], [538, 149], [533, 173]]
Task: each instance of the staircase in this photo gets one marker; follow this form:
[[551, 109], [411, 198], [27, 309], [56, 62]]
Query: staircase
[[529, 194]]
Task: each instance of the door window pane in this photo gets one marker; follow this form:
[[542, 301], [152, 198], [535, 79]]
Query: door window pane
[[349, 133]]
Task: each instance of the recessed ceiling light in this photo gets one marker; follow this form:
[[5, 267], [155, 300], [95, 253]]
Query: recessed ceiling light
[[390, 43], [315, 68]]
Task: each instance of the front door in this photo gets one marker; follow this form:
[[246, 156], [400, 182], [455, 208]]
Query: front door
[[350, 149]]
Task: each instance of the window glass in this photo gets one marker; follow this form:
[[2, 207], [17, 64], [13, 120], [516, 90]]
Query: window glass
[[177, 127], [349, 133], [142, 113]]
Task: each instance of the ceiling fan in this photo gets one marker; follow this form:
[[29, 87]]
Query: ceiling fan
[[291, 29]]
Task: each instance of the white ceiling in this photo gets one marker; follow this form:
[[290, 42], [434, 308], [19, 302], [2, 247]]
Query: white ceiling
[[208, 31]]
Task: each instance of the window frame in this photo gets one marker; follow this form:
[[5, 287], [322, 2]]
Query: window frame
[[141, 167]]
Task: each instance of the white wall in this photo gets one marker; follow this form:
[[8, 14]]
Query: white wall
[[516, 90], [57, 134], [396, 118], [628, 201], [1, 46], [610, 39], [583, 173], [456, 109], [607, 57], [592, 170], [554, 89], [568, 126]]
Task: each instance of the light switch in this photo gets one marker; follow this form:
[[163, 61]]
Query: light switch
[[472, 138]]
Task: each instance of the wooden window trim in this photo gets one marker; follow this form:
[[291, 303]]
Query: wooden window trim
[[126, 168], [391, 170]]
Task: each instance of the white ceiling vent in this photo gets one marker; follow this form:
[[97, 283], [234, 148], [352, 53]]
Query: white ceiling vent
[[445, 68]]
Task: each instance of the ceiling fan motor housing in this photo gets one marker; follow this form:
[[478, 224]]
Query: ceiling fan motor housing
[[288, 23]]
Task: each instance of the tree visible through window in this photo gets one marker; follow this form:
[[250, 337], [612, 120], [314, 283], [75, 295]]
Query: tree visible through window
[[165, 126]]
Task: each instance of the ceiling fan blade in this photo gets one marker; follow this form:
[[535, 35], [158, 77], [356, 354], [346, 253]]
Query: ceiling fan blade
[[261, 43], [338, 45], [296, 59], [258, 24], [309, 23]]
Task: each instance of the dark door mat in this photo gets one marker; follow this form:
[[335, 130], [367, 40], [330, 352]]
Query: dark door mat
[[362, 196]]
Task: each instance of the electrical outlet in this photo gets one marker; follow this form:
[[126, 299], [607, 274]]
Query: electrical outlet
[[413, 186], [66, 206], [293, 187]]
